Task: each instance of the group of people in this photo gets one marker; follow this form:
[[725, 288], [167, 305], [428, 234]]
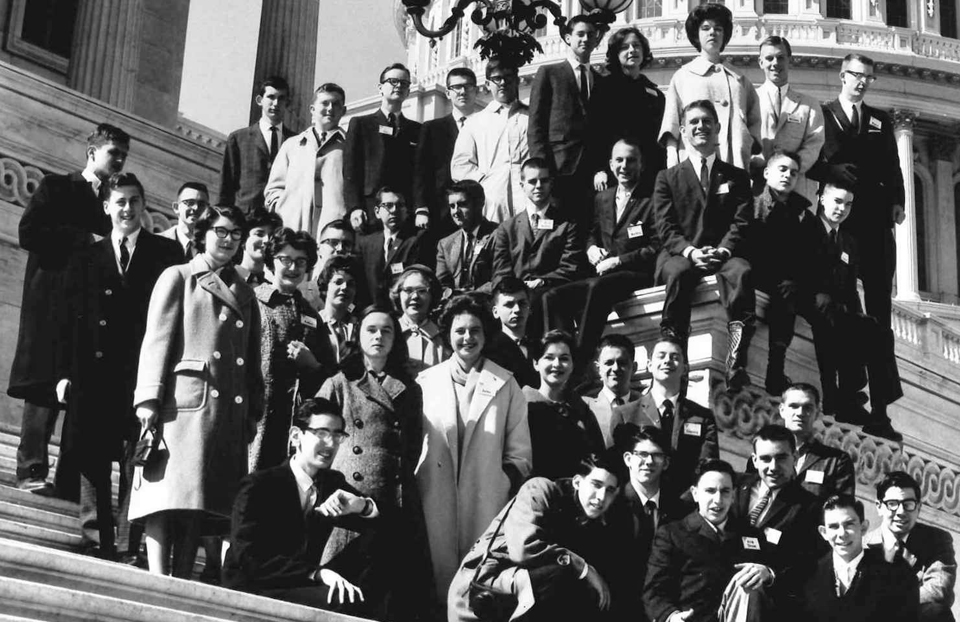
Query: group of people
[[358, 380]]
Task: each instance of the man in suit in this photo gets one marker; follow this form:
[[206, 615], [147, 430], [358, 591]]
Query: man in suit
[[703, 208], [928, 550], [789, 120], [511, 347], [250, 151], [106, 301], [853, 584], [616, 364], [380, 149], [306, 180], [690, 428], [61, 219], [464, 260], [558, 120], [192, 199], [283, 517], [709, 560], [387, 252], [435, 152]]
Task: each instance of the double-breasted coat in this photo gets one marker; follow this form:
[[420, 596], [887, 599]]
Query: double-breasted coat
[[200, 359]]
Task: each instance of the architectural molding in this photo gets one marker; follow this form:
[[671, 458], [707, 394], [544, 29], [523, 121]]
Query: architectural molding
[[18, 181]]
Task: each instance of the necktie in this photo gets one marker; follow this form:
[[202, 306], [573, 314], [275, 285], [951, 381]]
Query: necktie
[[649, 517], [460, 122], [323, 138], [311, 500], [855, 119], [618, 401], [274, 142], [704, 177], [759, 508], [833, 237], [584, 85], [124, 256], [778, 105], [388, 250], [535, 221], [898, 551], [465, 262], [666, 419]]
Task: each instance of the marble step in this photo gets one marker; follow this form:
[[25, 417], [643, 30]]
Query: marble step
[[26, 531]]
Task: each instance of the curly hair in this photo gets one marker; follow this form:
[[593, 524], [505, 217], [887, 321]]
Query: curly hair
[[436, 290], [616, 42], [471, 303], [297, 240], [211, 215], [337, 263]]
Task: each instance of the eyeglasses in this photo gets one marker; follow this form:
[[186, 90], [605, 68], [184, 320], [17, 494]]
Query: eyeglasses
[[460, 88], [909, 505], [286, 261], [223, 232], [862, 77], [395, 82], [390, 207], [656, 456], [345, 245], [328, 436], [503, 79], [195, 203], [419, 291]]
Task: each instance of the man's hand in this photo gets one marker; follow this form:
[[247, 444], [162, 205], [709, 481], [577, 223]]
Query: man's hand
[[704, 258], [599, 586], [752, 576], [337, 584], [358, 218], [608, 264], [899, 214], [422, 220], [147, 413], [679, 616], [300, 354], [823, 302], [600, 181], [788, 289], [845, 172], [63, 388], [342, 503], [595, 254], [534, 283]]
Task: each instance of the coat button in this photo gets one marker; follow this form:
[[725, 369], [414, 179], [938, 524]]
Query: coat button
[[216, 355], [108, 292], [239, 323], [357, 450], [238, 400], [357, 477], [214, 393], [103, 322], [240, 361], [724, 103], [358, 423], [98, 354], [396, 425], [223, 317]]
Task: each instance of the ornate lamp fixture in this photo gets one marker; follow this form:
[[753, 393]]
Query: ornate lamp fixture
[[510, 24]]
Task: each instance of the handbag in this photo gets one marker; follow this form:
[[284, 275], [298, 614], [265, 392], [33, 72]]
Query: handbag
[[487, 602], [147, 450]]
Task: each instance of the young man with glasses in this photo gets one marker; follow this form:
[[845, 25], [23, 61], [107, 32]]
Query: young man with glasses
[[926, 549], [284, 515], [192, 199], [380, 150]]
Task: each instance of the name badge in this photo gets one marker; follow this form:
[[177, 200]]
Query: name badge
[[351, 307], [635, 231], [795, 117], [814, 477], [545, 224], [875, 122], [386, 129], [724, 188], [772, 535], [396, 268], [308, 321], [692, 429], [751, 544], [844, 257]]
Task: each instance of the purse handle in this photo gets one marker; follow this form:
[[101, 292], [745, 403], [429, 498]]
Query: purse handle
[[486, 554]]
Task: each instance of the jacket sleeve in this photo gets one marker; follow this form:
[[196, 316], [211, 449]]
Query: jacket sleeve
[[668, 222], [502, 257], [277, 182], [743, 215], [164, 325], [595, 235], [530, 543], [255, 387], [754, 119], [661, 589], [230, 172], [444, 274], [465, 163], [353, 166], [41, 228], [845, 476], [538, 128], [894, 174], [573, 259], [937, 580], [423, 170], [517, 448], [670, 126]]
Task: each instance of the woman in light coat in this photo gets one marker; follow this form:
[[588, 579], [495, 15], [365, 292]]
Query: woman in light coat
[[199, 382], [476, 446]]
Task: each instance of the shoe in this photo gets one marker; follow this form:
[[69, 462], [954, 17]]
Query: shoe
[[34, 484], [210, 578], [131, 559], [776, 385], [883, 430], [94, 550], [854, 414]]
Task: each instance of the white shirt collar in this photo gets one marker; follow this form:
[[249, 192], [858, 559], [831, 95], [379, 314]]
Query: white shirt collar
[[848, 107], [643, 500], [93, 179], [846, 570], [695, 158], [495, 107], [610, 396], [828, 226], [889, 539], [265, 128], [457, 115], [131, 239], [673, 399], [624, 193]]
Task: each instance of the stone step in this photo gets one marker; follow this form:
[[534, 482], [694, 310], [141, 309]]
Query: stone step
[[41, 518], [12, 494], [26, 531]]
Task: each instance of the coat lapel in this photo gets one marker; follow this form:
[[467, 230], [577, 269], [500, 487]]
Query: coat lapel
[[487, 387], [693, 181], [839, 116], [210, 281], [629, 211]]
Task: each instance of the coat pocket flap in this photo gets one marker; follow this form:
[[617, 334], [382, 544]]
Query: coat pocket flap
[[190, 365]]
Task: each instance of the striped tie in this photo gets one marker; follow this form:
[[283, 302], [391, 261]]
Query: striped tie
[[759, 508]]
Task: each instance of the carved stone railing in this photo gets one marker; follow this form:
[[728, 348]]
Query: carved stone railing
[[18, 181], [927, 334]]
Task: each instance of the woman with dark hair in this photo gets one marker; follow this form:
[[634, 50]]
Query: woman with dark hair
[[337, 286], [709, 28], [199, 383], [415, 295], [476, 446], [381, 405], [295, 355], [563, 430], [625, 104]]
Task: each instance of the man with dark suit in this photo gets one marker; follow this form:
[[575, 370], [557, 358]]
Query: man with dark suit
[[435, 152], [464, 261], [558, 120], [690, 428], [61, 219], [540, 245], [108, 291], [380, 149], [250, 151], [615, 362], [926, 549], [192, 200], [853, 584], [283, 517], [511, 347], [704, 207], [709, 560]]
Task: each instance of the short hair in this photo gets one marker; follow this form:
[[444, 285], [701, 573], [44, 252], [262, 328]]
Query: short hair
[[330, 87], [106, 133], [297, 240], [616, 41], [468, 304], [702, 104], [672, 341], [501, 64], [712, 11], [616, 340], [898, 479], [339, 224], [436, 290], [275, 82], [866, 60], [835, 182], [469, 188], [805, 387], [630, 142], [538, 163], [315, 406], [579, 19], [593, 461], [779, 152], [211, 215], [337, 263], [555, 336], [840, 502], [713, 465], [628, 435], [510, 286], [193, 185], [777, 40], [463, 72], [391, 67], [260, 217], [118, 180], [392, 190], [774, 433]]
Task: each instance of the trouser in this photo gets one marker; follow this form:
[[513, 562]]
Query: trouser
[[574, 196], [36, 428], [99, 523], [558, 596], [681, 277], [878, 261]]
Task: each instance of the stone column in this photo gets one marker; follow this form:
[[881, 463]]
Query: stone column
[[288, 48], [944, 148], [929, 17], [906, 233], [106, 50]]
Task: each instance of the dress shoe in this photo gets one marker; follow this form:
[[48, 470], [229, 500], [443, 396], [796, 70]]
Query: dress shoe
[[36, 485], [883, 429]]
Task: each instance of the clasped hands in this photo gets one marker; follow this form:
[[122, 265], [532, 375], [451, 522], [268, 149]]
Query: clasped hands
[[708, 258], [601, 260]]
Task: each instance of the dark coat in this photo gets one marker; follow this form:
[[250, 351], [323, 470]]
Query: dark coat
[[432, 169], [929, 553], [561, 434], [637, 253], [246, 167], [372, 159], [826, 471], [834, 268], [558, 118], [379, 272], [58, 222], [556, 256], [450, 258], [505, 352], [776, 247]]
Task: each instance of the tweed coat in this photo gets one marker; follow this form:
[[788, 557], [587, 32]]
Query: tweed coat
[[464, 486], [200, 359], [246, 167]]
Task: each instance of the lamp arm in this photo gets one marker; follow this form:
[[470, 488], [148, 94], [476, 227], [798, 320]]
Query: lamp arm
[[456, 14]]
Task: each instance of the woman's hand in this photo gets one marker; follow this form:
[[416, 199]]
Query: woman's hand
[[301, 355], [147, 413]]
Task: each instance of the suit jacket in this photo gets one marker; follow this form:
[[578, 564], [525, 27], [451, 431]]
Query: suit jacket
[[379, 272], [873, 149], [273, 545], [431, 173], [171, 234], [686, 218], [797, 126], [879, 591], [826, 471], [690, 566], [450, 258], [246, 168], [835, 266], [375, 157], [558, 117], [776, 246], [505, 352], [929, 552], [694, 437], [603, 411], [636, 248], [556, 256]]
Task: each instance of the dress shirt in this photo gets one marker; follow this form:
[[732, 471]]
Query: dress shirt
[[828, 226], [846, 571], [423, 341], [656, 501], [304, 484], [610, 396], [718, 529], [460, 118], [776, 103], [388, 239], [345, 325], [848, 109], [890, 544], [801, 457], [116, 237], [623, 197], [756, 493], [95, 181], [695, 159], [674, 399], [265, 131], [575, 64], [540, 212]]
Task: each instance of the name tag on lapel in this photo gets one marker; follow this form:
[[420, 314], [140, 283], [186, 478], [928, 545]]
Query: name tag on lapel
[[751, 544], [772, 535], [635, 231], [724, 188], [844, 257], [396, 268], [794, 117], [308, 321], [545, 224], [692, 429], [875, 123], [814, 477], [386, 129]]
